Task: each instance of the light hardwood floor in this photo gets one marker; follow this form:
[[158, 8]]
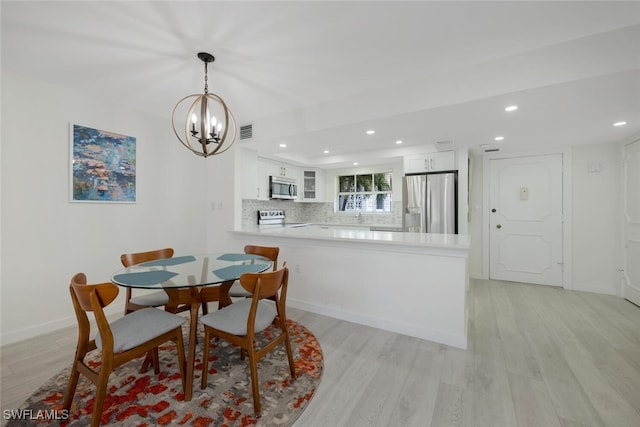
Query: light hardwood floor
[[538, 356]]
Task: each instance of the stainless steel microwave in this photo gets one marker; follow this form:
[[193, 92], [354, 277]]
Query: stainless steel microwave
[[282, 188]]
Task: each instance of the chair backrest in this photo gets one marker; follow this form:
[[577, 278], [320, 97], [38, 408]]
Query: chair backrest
[[265, 251], [140, 257], [266, 285], [88, 296], [92, 298]]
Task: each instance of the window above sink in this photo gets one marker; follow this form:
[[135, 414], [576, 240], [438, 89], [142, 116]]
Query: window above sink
[[365, 192]]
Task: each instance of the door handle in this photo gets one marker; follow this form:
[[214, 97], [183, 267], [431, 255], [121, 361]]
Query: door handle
[[498, 226]]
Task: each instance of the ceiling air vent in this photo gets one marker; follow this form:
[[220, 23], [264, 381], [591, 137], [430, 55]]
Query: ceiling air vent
[[246, 132], [444, 144]]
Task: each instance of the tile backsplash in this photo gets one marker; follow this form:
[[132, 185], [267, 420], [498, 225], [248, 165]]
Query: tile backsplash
[[318, 213]]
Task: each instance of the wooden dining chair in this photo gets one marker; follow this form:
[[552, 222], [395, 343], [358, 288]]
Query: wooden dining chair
[[119, 342], [239, 323], [151, 299], [236, 290]]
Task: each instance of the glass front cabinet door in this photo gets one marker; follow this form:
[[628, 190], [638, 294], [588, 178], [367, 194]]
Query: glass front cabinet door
[[310, 185]]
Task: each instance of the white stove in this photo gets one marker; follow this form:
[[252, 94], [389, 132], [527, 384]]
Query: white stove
[[273, 217]]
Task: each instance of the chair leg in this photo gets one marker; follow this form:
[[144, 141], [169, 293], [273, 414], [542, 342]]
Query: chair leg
[[101, 391], [205, 358], [148, 360], [255, 385], [156, 361], [181, 361], [287, 344], [73, 384], [81, 352]]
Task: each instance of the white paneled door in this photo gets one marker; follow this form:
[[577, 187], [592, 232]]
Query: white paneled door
[[526, 219], [631, 276]]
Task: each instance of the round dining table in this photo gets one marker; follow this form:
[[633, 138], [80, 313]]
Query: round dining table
[[192, 280]]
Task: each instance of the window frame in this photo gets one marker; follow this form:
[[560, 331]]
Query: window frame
[[373, 194]]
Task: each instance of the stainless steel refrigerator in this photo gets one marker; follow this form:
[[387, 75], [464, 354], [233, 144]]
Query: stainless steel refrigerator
[[430, 203]]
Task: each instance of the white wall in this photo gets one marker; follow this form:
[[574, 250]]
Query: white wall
[[594, 219], [597, 201], [462, 158], [46, 239], [475, 217]]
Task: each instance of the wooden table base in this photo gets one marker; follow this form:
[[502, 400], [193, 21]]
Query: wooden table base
[[194, 296]]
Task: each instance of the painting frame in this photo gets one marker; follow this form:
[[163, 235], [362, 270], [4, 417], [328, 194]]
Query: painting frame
[[102, 166]]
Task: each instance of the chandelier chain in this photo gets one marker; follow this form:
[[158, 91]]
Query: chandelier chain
[[206, 79]]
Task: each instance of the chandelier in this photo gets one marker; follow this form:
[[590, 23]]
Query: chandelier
[[209, 126]]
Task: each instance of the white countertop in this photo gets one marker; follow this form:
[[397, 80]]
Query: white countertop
[[358, 234]]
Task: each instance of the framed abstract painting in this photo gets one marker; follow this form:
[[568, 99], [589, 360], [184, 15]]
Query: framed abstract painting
[[103, 166]]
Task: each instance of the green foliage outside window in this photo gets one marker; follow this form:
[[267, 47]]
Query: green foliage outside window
[[365, 192]]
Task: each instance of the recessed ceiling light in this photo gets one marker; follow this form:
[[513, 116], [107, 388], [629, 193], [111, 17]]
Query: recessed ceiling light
[[511, 108], [326, 151], [498, 138], [283, 145], [355, 163], [371, 132], [398, 142], [620, 123]]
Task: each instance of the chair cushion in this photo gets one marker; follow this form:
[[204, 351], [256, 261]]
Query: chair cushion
[[152, 299], [238, 291], [233, 318], [139, 327]]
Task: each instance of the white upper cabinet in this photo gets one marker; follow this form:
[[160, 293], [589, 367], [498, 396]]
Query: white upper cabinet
[[312, 186], [283, 170], [267, 168], [430, 162], [263, 181], [253, 175]]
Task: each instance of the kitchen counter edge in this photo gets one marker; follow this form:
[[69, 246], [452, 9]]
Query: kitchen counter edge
[[457, 242]]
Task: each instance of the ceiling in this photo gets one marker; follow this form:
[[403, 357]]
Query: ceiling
[[316, 75]]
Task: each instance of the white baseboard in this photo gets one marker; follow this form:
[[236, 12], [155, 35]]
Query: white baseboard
[[631, 294], [581, 287], [385, 324]]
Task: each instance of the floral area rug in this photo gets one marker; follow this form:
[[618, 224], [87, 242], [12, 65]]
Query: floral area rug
[[135, 399]]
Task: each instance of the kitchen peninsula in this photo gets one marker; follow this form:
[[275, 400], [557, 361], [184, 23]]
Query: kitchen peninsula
[[410, 283]]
